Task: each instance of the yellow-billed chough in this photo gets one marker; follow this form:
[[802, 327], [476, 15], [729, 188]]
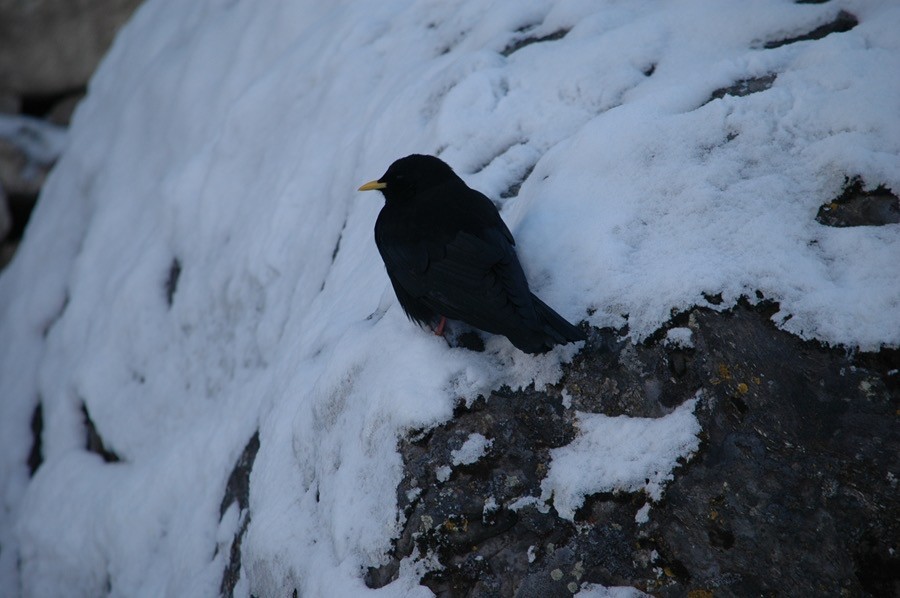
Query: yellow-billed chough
[[450, 255]]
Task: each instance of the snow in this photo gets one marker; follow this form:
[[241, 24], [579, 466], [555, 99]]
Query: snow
[[474, 448], [443, 473], [643, 514], [680, 337], [229, 139], [566, 399], [590, 590], [40, 141], [490, 508], [620, 454]]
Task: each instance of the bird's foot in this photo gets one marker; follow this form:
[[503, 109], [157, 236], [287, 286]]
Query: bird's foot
[[439, 331]]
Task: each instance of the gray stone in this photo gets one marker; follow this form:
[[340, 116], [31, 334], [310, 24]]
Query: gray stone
[[28, 149], [61, 112], [793, 491], [48, 47], [18, 174], [9, 103], [857, 207]]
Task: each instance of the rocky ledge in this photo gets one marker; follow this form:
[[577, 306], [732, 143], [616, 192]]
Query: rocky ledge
[[793, 490]]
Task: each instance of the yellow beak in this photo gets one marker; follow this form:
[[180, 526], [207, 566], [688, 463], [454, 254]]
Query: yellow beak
[[372, 186]]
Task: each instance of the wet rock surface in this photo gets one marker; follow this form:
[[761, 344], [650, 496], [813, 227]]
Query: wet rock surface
[[793, 491]]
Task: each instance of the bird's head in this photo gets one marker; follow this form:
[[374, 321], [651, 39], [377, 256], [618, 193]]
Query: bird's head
[[410, 175]]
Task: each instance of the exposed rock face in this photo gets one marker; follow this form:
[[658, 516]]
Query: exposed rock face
[[794, 485], [49, 47], [48, 51], [237, 491], [857, 207], [28, 149]]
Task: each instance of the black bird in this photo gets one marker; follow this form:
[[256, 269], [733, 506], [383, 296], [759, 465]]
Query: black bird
[[450, 255]]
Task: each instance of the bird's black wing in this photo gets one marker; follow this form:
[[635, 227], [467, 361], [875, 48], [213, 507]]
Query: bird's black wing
[[405, 261], [450, 254], [479, 280], [473, 276]]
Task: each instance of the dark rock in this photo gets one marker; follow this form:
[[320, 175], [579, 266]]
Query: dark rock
[[237, 490], [238, 487], [527, 41], [36, 454], [513, 189], [857, 207], [60, 112], [843, 21], [42, 105], [790, 481], [19, 209], [172, 280], [80, 30], [28, 149], [10, 103], [93, 441], [713, 298], [48, 51], [745, 87], [20, 175], [793, 487], [470, 340]]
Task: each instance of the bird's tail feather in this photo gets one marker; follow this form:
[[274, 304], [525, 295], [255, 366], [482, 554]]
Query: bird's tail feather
[[555, 324], [552, 329]]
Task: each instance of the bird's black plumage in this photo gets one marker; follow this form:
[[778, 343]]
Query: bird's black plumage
[[449, 254]]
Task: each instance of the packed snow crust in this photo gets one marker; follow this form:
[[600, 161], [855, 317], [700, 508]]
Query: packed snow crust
[[474, 448], [200, 266], [620, 454]]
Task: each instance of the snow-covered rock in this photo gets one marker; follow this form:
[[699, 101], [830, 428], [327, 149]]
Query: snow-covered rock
[[199, 267]]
